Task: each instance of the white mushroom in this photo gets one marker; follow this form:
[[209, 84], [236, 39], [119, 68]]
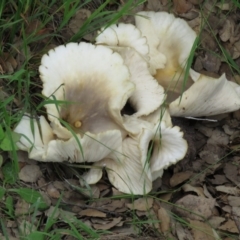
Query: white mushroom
[[38, 139], [147, 154], [207, 96], [124, 35], [88, 86], [128, 170], [127, 40], [35, 136], [171, 37], [169, 147]]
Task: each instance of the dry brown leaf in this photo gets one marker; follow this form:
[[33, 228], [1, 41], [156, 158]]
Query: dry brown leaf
[[53, 212], [78, 20], [165, 221], [201, 231], [93, 192], [182, 233], [236, 50], [236, 211], [21, 207], [109, 225], [231, 172], [218, 179], [182, 6], [227, 31], [234, 201], [92, 213], [229, 226], [194, 207], [154, 5], [7, 63], [190, 188], [67, 216], [52, 191], [206, 192], [115, 204], [218, 137], [30, 173], [211, 62], [216, 221], [229, 190], [180, 177], [141, 204], [211, 153], [236, 216]]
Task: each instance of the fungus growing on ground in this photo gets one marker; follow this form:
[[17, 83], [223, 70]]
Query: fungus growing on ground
[[143, 158], [173, 38], [127, 40], [88, 85], [207, 96], [39, 141]]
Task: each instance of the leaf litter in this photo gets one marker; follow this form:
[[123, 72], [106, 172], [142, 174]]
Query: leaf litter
[[198, 198]]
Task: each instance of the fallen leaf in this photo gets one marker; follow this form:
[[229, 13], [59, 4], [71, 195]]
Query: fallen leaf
[[180, 177], [26, 227], [229, 226], [212, 153], [115, 204], [227, 30], [229, 190], [109, 225], [215, 221], [231, 172], [182, 6], [21, 207], [52, 191], [236, 211], [53, 212], [92, 213], [183, 233], [78, 20], [218, 137], [236, 216], [164, 219], [30, 173], [234, 201], [141, 204], [211, 62], [190, 188], [218, 179], [7, 63], [193, 206], [67, 216], [201, 231]]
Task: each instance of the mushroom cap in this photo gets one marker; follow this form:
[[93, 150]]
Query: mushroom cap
[[39, 141], [161, 114], [169, 147], [148, 94], [170, 37], [130, 174], [207, 96], [135, 172], [35, 137], [88, 86], [89, 148], [124, 35]]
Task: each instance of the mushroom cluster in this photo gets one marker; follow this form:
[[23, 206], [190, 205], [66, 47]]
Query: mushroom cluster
[[89, 88]]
